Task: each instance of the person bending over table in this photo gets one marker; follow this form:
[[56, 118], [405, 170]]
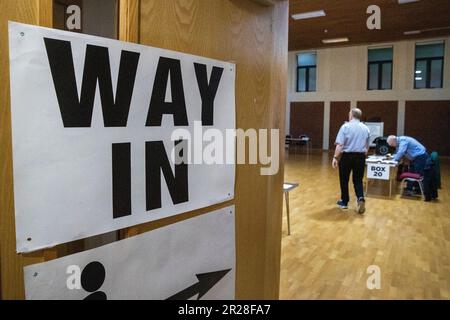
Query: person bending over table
[[412, 150]]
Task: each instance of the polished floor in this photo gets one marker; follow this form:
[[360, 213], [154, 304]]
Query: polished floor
[[329, 250]]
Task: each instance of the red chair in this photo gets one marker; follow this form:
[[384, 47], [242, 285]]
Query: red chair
[[412, 177]]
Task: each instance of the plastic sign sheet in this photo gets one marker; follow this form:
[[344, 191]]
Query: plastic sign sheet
[[191, 259], [92, 122]]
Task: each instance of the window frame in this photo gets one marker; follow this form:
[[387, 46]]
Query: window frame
[[380, 64], [380, 74], [307, 69], [428, 72], [428, 61]]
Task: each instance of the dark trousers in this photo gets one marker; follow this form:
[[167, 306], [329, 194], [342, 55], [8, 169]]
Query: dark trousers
[[355, 163], [418, 166]]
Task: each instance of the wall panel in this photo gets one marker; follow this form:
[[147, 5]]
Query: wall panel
[[428, 122], [307, 118], [37, 12], [338, 115], [255, 38], [385, 111]]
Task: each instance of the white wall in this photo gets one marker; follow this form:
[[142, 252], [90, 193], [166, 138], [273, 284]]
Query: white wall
[[342, 76]]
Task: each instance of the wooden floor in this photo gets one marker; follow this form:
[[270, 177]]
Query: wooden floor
[[329, 250]]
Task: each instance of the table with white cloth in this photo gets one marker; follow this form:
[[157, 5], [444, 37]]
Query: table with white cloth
[[296, 142], [381, 168]]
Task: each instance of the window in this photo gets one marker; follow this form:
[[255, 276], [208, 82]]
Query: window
[[380, 69], [428, 72], [306, 72]]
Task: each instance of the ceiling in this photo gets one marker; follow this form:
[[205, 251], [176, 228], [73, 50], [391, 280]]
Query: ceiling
[[347, 18]]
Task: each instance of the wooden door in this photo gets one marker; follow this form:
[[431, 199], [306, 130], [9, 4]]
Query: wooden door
[[252, 35]]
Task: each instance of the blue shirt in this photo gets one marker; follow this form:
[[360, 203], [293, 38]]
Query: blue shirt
[[354, 136], [408, 147]]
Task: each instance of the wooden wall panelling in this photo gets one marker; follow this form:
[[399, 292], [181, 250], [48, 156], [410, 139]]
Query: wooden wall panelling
[[348, 18], [129, 20], [385, 110], [255, 38], [338, 115], [11, 274], [45, 14], [277, 120], [307, 118], [428, 122]]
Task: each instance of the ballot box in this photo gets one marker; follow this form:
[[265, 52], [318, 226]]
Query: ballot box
[[381, 168]]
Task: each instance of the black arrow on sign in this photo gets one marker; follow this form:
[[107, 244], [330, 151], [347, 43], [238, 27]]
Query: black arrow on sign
[[205, 283]]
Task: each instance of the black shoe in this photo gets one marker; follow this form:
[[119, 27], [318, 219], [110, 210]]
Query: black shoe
[[342, 204], [361, 205]]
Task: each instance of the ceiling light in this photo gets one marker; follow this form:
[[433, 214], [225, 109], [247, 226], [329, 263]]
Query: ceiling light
[[308, 15], [418, 71], [407, 33], [418, 78], [407, 1], [336, 40]]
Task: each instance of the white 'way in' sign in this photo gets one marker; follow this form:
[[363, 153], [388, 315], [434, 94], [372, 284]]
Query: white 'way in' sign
[[92, 120]]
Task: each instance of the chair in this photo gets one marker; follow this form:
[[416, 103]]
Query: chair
[[413, 177], [288, 140], [303, 140]]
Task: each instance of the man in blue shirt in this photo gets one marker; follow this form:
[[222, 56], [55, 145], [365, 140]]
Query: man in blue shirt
[[352, 144], [411, 149]]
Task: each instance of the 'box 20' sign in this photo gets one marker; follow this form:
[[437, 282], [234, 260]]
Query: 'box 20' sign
[[378, 171]]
